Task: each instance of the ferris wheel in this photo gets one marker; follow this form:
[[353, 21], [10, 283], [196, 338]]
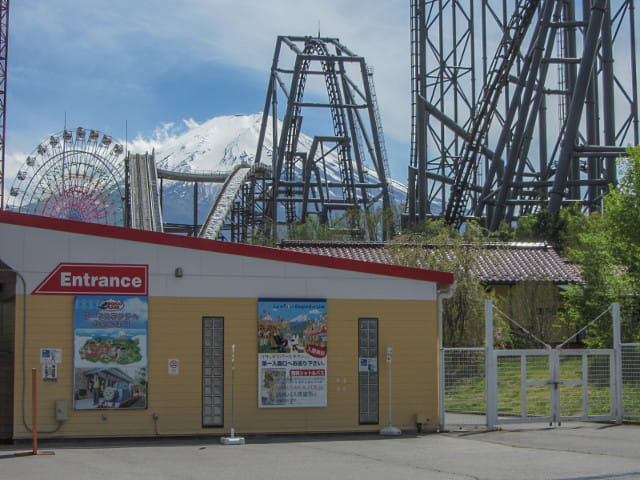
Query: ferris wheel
[[74, 175]]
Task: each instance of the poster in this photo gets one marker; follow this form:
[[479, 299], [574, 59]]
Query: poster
[[292, 353], [110, 352]]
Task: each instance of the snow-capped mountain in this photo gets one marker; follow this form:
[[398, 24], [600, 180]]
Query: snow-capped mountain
[[217, 145]]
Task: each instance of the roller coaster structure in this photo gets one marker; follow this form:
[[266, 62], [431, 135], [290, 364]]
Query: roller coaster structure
[[290, 178], [495, 134], [342, 100]]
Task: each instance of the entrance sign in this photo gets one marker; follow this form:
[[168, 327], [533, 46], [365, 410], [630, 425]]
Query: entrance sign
[[96, 279], [110, 352], [292, 353]]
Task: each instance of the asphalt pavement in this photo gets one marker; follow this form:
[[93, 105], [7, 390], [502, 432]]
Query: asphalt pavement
[[573, 451]]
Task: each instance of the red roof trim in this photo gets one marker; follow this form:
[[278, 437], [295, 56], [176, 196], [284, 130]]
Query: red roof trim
[[70, 226]]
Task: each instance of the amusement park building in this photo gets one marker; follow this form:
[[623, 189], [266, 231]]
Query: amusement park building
[[133, 333]]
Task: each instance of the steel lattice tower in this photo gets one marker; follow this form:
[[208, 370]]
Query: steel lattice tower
[[4, 36], [518, 105], [329, 88]]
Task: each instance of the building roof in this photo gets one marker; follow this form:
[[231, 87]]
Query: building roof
[[202, 244], [497, 264]]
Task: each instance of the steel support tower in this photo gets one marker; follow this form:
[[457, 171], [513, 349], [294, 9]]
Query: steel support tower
[[343, 168], [4, 36], [518, 105]]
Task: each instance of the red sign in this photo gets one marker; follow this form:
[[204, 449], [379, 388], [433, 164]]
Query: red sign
[[315, 351], [96, 279]]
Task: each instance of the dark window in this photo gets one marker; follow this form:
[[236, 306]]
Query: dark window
[[368, 369], [212, 371]]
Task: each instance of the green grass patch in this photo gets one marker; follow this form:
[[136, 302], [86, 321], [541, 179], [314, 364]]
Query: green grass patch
[[466, 393]]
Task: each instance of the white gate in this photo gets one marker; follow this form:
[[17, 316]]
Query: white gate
[[631, 380], [550, 385], [483, 386]]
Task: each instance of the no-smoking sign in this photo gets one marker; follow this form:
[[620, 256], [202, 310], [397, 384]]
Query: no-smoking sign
[[174, 366]]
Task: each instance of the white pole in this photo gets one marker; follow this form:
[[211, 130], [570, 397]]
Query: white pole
[[233, 387], [491, 369], [617, 370], [390, 397], [233, 440], [390, 430]]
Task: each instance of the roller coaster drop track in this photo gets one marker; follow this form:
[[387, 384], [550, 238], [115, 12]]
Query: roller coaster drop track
[[474, 154], [300, 184], [143, 198]]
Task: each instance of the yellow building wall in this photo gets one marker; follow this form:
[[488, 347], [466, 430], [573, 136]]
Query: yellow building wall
[[175, 331]]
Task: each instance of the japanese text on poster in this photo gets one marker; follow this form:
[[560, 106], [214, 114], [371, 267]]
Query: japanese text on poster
[[110, 352], [292, 353]]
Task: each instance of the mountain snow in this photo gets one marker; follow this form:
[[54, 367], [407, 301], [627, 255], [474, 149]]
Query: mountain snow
[[217, 145]]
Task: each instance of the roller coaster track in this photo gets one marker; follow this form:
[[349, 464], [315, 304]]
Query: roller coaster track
[[221, 208], [145, 205], [507, 53], [204, 177], [315, 46]]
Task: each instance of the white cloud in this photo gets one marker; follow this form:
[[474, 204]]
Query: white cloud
[[157, 36], [113, 47]]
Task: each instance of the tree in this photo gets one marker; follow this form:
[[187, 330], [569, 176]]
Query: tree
[[560, 231], [608, 250], [622, 212], [435, 245]]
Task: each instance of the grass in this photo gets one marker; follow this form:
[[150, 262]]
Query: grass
[[465, 392]]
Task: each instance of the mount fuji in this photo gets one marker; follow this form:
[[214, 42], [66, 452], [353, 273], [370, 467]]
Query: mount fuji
[[216, 145]]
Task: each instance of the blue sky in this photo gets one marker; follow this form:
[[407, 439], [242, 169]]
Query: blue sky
[[107, 64]]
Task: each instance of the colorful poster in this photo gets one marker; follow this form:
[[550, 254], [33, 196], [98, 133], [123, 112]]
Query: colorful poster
[[292, 353], [110, 352]]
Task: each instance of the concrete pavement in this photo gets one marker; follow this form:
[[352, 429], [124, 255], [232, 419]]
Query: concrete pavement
[[570, 452]]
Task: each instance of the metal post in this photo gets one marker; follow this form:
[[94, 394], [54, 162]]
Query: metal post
[[390, 398], [608, 80], [4, 38], [491, 370], [233, 388], [554, 363], [577, 104], [390, 430], [34, 407], [195, 209], [233, 440], [617, 371]]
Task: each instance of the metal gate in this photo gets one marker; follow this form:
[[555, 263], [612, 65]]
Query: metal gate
[[551, 385], [631, 381], [486, 387]]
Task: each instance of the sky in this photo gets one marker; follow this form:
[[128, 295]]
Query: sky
[[130, 68]]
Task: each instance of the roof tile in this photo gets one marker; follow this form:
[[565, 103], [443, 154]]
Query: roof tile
[[498, 263]]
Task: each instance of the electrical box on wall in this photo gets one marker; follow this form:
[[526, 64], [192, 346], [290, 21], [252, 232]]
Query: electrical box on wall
[[62, 412]]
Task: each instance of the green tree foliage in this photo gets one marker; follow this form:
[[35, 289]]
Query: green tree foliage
[[607, 247], [435, 245], [559, 231], [354, 225], [622, 211]]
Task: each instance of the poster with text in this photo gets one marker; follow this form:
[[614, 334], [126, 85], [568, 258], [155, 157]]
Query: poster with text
[[110, 352], [292, 353]]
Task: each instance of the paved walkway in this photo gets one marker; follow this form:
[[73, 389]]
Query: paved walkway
[[569, 452]]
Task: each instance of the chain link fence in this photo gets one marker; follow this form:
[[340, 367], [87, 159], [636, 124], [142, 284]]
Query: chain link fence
[[465, 380], [631, 381]]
